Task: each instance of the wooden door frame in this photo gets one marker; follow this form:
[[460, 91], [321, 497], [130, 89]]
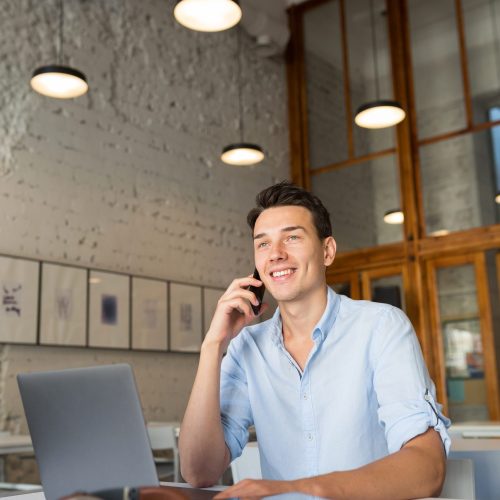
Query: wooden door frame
[[478, 261]]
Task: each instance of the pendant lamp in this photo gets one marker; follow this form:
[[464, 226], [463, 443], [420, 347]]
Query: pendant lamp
[[497, 198], [241, 152], [394, 216], [381, 113], [56, 80], [207, 15]]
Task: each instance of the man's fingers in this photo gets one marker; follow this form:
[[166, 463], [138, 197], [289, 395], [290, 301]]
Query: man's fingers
[[239, 305], [247, 294], [239, 283]]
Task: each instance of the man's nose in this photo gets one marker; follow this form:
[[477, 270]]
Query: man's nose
[[277, 251]]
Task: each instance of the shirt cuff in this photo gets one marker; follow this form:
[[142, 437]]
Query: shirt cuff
[[407, 419]]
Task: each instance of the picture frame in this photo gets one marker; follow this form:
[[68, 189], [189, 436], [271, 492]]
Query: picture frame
[[149, 314], [185, 318], [19, 288], [109, 310], [211, 297], [63, 305]]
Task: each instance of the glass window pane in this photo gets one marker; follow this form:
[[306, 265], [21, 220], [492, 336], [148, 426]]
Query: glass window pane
[[388, 290], [362, 58], [436, 67], [357, 198], [463, 350], [326, 118], [459, 180], [482, 35]]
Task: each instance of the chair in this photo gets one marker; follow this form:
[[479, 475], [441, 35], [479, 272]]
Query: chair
[[459, 482], [247, 466], [163, 437]]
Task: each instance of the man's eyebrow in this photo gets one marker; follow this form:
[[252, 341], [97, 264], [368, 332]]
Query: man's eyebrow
[[287, 229]]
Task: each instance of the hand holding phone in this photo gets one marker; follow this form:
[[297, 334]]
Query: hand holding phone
[[258, 291]]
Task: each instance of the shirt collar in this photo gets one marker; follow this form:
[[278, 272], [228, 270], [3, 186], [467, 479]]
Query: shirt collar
[[322, 328]]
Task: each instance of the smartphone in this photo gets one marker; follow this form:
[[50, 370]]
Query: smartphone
[[258, 291]]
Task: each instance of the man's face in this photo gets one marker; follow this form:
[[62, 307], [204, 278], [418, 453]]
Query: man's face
[[289, 255]]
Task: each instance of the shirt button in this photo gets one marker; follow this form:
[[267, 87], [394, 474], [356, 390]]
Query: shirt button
[[304, 396], [309, 436]]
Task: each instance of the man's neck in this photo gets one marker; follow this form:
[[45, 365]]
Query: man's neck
[[301, 316]]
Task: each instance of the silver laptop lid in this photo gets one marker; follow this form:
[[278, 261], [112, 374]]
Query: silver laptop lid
[[87, 429]]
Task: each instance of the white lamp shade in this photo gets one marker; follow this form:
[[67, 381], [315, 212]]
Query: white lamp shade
[[394, 217], [497, 198], [379, 114], [242, 153], [207, 15], [60, 82]]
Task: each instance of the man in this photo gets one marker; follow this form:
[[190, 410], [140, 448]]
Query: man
[[337, 389]]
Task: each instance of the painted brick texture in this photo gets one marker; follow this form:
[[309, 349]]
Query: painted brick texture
[[127, 178]]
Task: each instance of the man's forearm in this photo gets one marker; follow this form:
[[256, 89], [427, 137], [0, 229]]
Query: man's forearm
[[416, 471], [412, 472], [203, 452]]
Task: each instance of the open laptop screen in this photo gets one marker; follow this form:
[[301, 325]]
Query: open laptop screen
[[87, 429]]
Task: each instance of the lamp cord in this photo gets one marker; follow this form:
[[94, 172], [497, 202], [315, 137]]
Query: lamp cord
[[240, 100], [374, 49], [61, 25]]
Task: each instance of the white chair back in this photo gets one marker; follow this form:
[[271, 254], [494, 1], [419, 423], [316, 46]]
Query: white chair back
[[163, 436], [247, 466], [459, 482]]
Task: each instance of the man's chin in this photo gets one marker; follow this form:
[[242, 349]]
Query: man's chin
[[283, 296]]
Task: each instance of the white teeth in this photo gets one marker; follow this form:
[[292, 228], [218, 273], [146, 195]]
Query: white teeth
[[276, 274]]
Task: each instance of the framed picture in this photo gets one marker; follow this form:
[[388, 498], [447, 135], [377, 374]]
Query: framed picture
[[149, 314], [63, 314], [19, 279], [210, 298], [185, 318], [109, 310]]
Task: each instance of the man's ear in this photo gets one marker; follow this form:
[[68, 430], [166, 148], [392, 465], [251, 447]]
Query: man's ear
[[330, 249]]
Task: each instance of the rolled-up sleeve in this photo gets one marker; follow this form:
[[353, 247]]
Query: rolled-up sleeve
[[405, 391], [236, 414]]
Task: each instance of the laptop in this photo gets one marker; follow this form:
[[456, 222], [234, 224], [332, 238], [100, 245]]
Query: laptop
[[87, 429]]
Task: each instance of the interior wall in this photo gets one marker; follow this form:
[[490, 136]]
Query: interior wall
[[128, 177]]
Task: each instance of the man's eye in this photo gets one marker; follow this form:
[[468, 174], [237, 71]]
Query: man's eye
[[292, 237], [262, 244]]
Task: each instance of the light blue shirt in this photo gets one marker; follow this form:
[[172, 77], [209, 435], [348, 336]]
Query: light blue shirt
[[364, 392]]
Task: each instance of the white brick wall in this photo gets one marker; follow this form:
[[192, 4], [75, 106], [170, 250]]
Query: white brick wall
[[127, 178]]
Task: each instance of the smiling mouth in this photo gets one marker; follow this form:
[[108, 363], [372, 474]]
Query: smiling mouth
[[284, 272]]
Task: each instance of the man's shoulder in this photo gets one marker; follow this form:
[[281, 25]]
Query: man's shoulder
[[365, 306], [370, 313]]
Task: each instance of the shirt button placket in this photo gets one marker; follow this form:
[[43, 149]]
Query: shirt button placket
[[308, 426]]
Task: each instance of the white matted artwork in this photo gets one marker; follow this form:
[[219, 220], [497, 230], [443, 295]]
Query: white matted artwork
[[149, 314], [63, 319], [185, 318], [19, 281], [109, 307], [210, 298]]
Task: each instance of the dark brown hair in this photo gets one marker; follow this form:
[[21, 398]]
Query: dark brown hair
[[285, 193]]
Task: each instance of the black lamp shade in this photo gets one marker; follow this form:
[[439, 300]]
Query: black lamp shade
[[379, 114], [61, 82], [242, 153]]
